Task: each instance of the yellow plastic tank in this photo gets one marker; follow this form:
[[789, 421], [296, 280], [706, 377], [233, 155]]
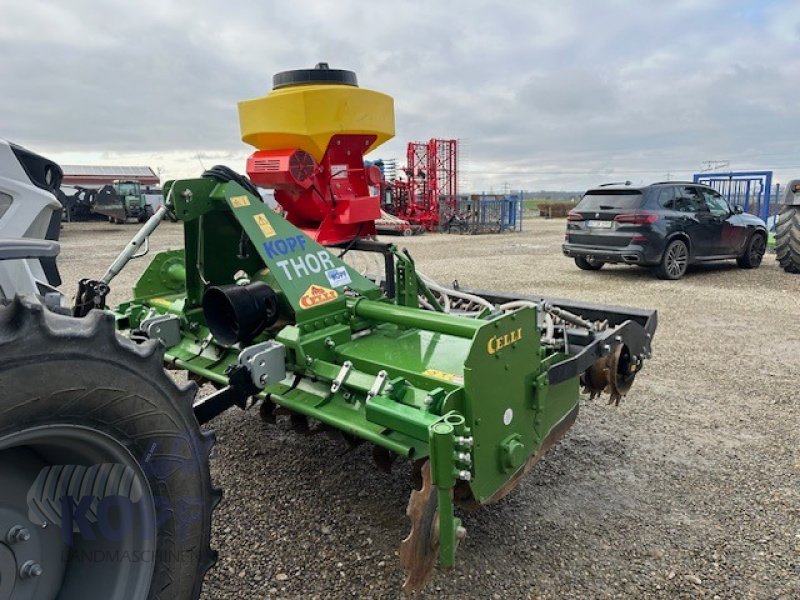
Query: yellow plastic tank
[[306, 115]]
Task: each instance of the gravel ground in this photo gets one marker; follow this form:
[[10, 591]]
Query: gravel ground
[[691, 488]]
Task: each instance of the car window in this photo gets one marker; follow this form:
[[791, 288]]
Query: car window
[[610, 200], [666, 197], [690, 200], [716, 203]]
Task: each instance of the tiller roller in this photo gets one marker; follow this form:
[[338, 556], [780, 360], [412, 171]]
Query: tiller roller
[[471, 386]]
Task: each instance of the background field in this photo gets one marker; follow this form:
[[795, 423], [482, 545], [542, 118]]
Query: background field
[[690, 488]]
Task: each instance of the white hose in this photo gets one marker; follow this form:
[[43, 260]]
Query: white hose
[[549, 324], [517, 304], [454, 293], [445, 302]]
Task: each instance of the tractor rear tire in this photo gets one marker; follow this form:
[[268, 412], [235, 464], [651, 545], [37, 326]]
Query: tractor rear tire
[[588, 264], [787, 238], [104, 472], [753, 252]]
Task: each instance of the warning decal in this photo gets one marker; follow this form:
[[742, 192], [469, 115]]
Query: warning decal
[[264, 225], [240, 201], [316, 295]]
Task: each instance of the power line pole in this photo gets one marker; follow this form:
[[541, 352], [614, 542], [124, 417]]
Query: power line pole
[[714, 165]]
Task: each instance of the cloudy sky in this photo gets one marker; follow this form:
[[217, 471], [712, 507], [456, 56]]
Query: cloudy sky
[[547, 94]]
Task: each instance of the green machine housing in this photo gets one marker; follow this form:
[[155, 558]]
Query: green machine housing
[[258, 308]]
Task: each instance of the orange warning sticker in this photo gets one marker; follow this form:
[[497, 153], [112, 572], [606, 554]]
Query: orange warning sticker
[[316, 295], [240, 201], [264, 225]]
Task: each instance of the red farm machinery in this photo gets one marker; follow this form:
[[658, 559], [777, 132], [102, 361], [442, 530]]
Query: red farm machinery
[[431, 183]]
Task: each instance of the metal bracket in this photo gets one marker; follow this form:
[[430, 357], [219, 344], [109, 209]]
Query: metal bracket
[[377, 387], [343, 373], [541, 386], [266, 362], [164, 328]]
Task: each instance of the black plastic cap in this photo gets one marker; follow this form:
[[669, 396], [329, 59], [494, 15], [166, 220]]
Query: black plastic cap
[[319, 75]]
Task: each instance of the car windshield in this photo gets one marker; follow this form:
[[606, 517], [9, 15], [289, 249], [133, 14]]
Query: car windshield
[[610, 200]]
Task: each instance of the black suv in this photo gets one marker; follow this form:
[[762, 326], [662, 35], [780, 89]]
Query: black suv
[[665, 225]]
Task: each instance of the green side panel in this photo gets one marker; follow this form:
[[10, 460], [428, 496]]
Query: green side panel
[[502, 404], [558, 402], [424, 358]]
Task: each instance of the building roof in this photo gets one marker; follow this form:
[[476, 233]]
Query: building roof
[[114, 172], [98, 176]]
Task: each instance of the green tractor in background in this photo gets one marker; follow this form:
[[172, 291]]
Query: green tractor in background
[[121, 201]]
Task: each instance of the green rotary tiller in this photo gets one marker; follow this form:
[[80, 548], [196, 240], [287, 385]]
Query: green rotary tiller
[[472, 386]]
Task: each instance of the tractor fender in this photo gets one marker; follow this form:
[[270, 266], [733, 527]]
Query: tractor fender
[[791, 197]]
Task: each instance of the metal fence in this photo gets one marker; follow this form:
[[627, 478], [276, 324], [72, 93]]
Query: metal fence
[[752, 190], [481, 213], [763, 205]]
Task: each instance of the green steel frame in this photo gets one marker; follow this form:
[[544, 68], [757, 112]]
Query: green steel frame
[[473, 395]]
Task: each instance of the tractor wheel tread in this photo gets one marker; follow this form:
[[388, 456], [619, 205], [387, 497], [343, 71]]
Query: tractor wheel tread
[[787, 239], [101, 380]]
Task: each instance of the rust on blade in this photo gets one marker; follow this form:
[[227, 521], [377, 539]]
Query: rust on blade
[[419, 551], [612, 374]]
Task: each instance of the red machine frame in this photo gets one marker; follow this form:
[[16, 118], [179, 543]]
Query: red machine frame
[[330, 201], [432, 179]]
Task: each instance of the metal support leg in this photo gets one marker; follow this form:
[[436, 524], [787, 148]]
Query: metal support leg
[[443, 475]]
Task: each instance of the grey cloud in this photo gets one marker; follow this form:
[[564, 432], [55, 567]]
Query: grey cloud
[[542, 93]]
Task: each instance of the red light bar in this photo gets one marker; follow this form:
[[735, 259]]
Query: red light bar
[[637, 218]]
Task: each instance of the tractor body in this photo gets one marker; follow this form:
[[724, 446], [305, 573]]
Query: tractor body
[[120, 201], [57, 450], [30, 220]]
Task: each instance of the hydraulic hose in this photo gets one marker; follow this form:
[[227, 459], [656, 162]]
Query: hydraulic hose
[[225, 174]]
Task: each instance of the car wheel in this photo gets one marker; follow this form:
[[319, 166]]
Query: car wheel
[[675, 261], [588, 264], [753, 253]]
